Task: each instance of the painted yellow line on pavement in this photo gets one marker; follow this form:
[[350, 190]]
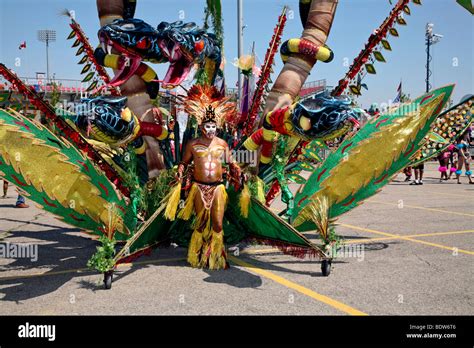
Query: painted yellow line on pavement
[[440, 233], [410, 239], [301, 289], [433, 234], [423, 208], [144, 262], [79, 270], [466, 196]]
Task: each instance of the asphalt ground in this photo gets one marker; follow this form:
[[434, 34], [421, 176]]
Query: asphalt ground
[[409, 251]]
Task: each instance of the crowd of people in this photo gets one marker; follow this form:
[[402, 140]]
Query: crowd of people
[[452, 161]]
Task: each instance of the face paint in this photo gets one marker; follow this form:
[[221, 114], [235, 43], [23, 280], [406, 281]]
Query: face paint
[[209, 130]]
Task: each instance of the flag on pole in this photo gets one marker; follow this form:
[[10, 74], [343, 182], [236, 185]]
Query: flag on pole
[[398, 98], [22, 45]]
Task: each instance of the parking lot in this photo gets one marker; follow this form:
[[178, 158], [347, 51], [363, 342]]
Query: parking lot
[[415, 256]]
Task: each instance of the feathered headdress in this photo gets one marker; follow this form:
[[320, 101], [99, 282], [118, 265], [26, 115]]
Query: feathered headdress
[[206, 104]]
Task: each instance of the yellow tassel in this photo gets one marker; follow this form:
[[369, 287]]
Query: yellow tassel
[[244, 201], [260, 191], [188, 209], [172, 202], [217, 257], [195, 249]]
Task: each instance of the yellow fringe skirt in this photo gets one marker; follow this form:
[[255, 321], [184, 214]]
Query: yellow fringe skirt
[[206, 248]]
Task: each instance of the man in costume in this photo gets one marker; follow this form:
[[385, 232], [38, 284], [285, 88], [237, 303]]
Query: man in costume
[[207, 196]]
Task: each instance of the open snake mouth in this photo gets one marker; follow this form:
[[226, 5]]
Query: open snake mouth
[[128, 63], [180, 63]]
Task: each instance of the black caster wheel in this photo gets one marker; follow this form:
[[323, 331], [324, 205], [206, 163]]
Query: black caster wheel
[[326, 267], [108, 280]]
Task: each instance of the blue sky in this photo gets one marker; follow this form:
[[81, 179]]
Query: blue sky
[[355, 21]]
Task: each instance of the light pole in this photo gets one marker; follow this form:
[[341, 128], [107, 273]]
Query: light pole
[[431, 39], [47, 36], [240, 52]]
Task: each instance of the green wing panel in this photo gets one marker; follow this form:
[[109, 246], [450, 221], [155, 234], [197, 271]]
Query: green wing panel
[[363, 164], [58, 177]]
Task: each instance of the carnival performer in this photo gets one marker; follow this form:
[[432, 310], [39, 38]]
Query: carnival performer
[[205, 157], [464, 157], [453, 160], [443, 159]]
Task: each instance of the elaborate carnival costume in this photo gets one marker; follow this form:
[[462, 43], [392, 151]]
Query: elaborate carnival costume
[[61, 164], [207, 196]]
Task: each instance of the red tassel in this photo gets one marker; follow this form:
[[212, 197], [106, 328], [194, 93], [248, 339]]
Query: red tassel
[[265, 74], [288, 249]]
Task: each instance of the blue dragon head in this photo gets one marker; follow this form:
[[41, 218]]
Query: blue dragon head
[[106, 119], [324, 117], [132, 37], [185, 44]]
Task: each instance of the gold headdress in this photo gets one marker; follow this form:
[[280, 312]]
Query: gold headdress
[[206, 104]]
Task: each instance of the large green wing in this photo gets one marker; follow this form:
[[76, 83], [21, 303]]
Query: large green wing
[[363, 164], [58, 177]]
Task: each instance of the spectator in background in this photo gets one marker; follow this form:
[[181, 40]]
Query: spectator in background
[[407, 171], [419, 169], [464, 157], [20, 201]]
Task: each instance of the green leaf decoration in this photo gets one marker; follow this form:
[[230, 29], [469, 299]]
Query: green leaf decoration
[[313, 155], [370, 68], [83, 60], [379, 56], [306, 166], [386, 45], [92, 86], [401, 21], [71, 35], [406, 9], [467, 4], [76, 43], [417, 2], [296, 178], [80, 50], [103, 260], [394, 32], [86, 68], [88, 77], [436, 138], [355, 89]]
